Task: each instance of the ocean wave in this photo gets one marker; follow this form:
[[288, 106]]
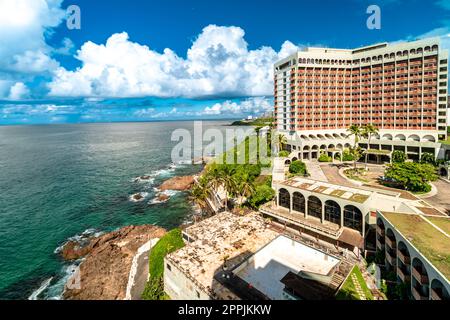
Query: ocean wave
[[56, 291], [82, 238], [36, 293], [150, 177], [167, 193]]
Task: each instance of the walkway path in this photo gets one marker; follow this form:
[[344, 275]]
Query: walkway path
[[359, 290], [332, 173], [442, 199], [315, 170]]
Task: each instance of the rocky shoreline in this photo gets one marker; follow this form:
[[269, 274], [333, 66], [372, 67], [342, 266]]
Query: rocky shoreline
[[107, 261], [110, 259]]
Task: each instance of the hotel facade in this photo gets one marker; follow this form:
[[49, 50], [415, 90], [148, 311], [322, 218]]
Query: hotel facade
[[399, 88]]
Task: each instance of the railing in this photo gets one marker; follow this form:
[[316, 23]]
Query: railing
[[391, 243], [420, 277], [404, 258], [435, 295], [286, 216], [403, 274], [417, 294]]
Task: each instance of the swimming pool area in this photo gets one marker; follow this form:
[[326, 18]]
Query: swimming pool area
[[265, 269]]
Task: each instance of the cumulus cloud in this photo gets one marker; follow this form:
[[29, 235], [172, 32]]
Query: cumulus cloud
[[253, 105], [24, 25], [218, 63], [19, 91], [24, 53]]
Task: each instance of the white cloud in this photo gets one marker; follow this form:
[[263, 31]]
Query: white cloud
[[23, 27], [19, 91], [218, 63], [252, 105]]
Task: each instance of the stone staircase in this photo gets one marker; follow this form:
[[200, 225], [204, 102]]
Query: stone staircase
[[340, 274]]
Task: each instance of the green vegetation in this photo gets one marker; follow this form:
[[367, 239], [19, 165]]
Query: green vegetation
[[263, 194], [356, 174], [425, 237], [398, 156], [367, 132], [281, 141], [298, 167], [428, 158], [347, 156], [170, 242], [348, 290], [283, 154], [325, 158], [260, 122], [242, 181], [355, 151], [412, 176]]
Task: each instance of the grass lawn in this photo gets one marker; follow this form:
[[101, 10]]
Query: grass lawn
[[427, 239], [170, 242], [355, 175], [348, 290]]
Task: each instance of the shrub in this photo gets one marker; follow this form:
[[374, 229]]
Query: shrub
[[283, 154], [398, 156], [297, 167], [171, 241], [347, 156], [263, 194], [325, 158], [428, 158], [412, 176]]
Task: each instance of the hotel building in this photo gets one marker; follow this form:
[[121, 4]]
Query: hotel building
[[400, 88]]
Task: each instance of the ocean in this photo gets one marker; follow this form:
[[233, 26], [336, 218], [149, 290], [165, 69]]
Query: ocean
[[60, 182]]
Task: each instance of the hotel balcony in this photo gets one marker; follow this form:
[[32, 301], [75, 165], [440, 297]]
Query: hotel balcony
[[420, 277], [404, 258], [391, 243], [311, 223], [417, 294], [390, 257], [436, 294], [403, 274]]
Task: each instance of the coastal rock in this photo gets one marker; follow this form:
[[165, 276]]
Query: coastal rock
[[177, 183], [137, 197], [103, 274], [163, 197]]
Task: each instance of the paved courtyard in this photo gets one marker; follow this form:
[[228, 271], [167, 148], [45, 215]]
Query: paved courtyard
[[442, 199]]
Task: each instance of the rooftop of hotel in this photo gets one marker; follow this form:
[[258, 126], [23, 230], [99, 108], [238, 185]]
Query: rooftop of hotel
[[430, 235], [347, 193], [223, 237]]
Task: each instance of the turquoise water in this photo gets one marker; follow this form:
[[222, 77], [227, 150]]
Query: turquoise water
[[57, 181]]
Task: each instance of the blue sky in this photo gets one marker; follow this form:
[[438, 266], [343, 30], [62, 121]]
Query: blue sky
[[140, 60]]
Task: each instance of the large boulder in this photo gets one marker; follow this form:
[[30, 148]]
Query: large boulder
[[177, 183], [104, 272]]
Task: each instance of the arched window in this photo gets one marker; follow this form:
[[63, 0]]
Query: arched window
[[353, 218], [298, 202], [314, 207], [284, 198], [438, 291], [332, 212], [419, 280]]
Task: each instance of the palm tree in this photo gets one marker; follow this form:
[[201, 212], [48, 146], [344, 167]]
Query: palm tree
[[199, 195], [355, 130], [367, 132], [281, 141], [246, 189], [229, 184]]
